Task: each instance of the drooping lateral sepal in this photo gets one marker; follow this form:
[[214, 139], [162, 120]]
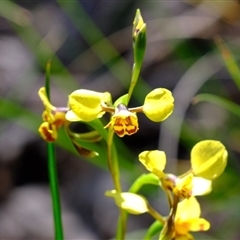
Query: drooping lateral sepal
[[86, 105]]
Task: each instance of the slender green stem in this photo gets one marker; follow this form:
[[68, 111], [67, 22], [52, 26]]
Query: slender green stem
[[121, 227], [113, 161], [155, 214], [114, 170], [52, 170], [176, 200], [169, 198], [135, 74]]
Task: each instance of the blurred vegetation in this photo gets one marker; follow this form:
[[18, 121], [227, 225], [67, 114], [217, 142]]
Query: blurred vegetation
[[193, 49]]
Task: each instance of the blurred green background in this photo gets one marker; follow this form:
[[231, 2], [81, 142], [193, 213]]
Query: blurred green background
[[90, 46]]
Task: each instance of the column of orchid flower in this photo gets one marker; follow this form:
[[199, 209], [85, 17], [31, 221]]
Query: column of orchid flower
[[208, 158]]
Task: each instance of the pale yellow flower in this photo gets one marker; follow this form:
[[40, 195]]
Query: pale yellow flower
[[188, 219], [52, 119]]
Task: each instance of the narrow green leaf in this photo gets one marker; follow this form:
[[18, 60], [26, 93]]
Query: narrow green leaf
[[229, 61], [220, 101]]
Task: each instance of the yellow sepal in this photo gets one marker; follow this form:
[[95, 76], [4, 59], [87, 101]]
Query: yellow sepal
[[208, 159], [86, 105], [158, 104], [154, 161]]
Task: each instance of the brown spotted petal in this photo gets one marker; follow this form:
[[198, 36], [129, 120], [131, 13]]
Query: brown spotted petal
[[52, 122], [48, 132], [123, 121]]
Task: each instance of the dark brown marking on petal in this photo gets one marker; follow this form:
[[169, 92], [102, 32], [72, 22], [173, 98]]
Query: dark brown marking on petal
[[46, 134], [131, 130]]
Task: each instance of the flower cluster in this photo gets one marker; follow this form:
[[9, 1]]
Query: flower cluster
[[53, 118], [86, 105], [208, 161], [208, 158]]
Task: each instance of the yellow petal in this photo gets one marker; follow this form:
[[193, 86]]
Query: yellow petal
[[138, 24], [72, 117], [43, 96], [154, 161], [131, 202], [208, 159], [86, 104], [184, 237], [201, 186], [158, 104], [188, 209], [199, 224]]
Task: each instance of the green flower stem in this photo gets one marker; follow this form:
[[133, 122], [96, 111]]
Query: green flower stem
[[122, 225], [114, 170], [168, 228], [169, 198], [135, 74], [176, 200], [52, 171], [54, 192], [113, 161], [156, 215]]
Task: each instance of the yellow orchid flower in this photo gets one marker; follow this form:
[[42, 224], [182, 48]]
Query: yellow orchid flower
[[189, 185], [183, 187], [188, 219], [53, 119], [86, 105]]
